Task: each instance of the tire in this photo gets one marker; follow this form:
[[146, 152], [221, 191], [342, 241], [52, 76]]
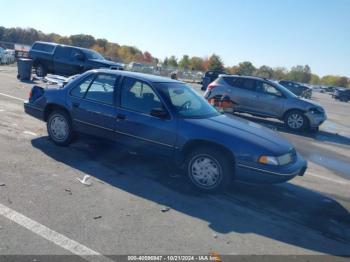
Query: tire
[[296, 120], [40, 70], [59, 128], [218, 168]]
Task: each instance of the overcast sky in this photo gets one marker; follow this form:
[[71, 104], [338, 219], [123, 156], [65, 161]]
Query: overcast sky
[[272, 32]]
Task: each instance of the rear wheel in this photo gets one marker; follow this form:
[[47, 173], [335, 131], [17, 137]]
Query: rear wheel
[[40, 70], [208, 169], [296, 120], [59, 128]]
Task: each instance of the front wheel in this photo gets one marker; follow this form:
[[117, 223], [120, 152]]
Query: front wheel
[[209, 170], [59, 128], [296, 120]]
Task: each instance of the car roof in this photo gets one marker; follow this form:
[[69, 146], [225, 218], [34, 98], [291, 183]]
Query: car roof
[[46, 43], [246, 77], [140, 76], [55, 44]]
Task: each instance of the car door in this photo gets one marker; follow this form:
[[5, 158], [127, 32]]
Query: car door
[[136, 127], [76, 61], [93, 105], [271, 101], [61, 60], [243, 93]]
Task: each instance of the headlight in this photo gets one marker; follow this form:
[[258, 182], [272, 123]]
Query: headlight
[[316, 110], [268, 160], [276, 161]]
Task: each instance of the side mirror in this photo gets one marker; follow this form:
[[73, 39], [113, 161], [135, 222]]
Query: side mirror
[[159, 112], [79, 57]]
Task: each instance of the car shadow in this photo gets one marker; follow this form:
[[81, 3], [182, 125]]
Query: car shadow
[[277, 212], [321, 135]]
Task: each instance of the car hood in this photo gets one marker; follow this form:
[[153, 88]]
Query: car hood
[[249, 131], [308, 102]]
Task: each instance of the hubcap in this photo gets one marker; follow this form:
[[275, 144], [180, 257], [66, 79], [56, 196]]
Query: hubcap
[[59, 127], [295, 121], [205, 171], [39, 71]]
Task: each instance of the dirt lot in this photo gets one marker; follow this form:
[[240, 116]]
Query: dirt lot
[[137, 205]]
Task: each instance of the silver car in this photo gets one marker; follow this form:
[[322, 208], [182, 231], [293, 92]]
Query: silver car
[[265, 98]]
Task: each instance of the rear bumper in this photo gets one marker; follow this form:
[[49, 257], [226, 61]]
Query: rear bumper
[[33, 111], [270, 174]]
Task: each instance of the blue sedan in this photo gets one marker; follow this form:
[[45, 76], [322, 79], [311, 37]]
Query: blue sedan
[[165, 117]]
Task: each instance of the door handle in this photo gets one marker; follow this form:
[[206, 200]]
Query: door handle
[[120, 117], [76, 104]]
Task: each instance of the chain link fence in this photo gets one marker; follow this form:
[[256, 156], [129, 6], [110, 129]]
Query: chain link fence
[[166, 71]]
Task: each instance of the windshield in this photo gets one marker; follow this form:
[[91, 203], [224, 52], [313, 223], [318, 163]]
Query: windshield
[[187, 103], [283, 89], [93, 54]]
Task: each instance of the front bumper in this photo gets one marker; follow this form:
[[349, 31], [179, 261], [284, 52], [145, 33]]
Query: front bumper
[[270, 174], [33, 111], [316, 120]]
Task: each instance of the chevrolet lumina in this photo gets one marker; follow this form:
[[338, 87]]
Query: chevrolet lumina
[[164, 117]]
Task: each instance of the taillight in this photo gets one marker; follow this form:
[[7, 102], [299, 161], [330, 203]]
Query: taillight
[[30, 94], [211, 86]]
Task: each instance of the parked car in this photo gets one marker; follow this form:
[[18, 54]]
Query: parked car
[[165, 117], [265, 98], [330, 89], [66, 60], [3, 56], [342, 94], [209, 77], [297, 89], [11, 55]]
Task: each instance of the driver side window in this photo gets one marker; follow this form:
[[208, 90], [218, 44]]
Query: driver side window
[[269, 89], [138, 96]]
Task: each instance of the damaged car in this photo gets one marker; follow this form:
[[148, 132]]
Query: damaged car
[[166, 118]]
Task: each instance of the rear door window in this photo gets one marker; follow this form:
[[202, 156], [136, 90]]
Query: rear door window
[[80, 90], [63, 52], [102, 89], [247, 84], [230, 80]]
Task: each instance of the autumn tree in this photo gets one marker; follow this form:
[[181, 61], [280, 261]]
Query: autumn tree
[[184, 63], [279, 73], [172, 61], [197, 63], [82, 40], [147, 57], [166, 62], [315, 79], [215, 63], [246, 68], [265, 72], [300, 73]]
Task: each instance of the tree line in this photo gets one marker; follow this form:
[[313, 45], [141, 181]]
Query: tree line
[[126, 54]]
